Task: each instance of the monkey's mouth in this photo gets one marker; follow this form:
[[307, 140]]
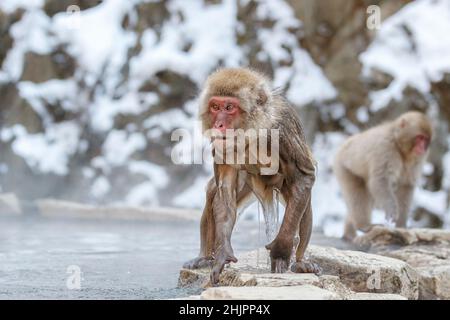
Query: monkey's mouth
[[223, 137], [421, 144]]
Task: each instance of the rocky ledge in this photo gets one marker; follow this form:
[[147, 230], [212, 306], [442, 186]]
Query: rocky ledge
[[346, 275], [401, 264], [425, 250]]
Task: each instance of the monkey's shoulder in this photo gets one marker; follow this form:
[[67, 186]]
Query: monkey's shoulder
[[376, 138]]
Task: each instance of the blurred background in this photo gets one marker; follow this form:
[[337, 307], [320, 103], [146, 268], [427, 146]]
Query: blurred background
[[90, 91]]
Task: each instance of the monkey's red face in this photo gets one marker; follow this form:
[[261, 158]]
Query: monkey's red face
[[225, 113], [421, 143]]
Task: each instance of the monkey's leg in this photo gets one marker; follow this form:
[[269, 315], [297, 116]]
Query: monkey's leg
[[358, 200], [207, 232], [301, 265], [298, 197], [404, 198]]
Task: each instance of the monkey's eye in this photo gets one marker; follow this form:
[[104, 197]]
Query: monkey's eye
[[215, 107], [229, 107]]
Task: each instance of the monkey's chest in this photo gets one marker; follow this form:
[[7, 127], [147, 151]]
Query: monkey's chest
[[407, 176], [242, 157]]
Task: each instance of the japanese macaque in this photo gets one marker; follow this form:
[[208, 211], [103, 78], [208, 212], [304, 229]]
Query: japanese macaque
[[241, 99], [380, 168]]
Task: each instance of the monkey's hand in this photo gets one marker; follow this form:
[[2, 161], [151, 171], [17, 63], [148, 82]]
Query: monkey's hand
[[223, 257], [391, 215], [280, 255], [199, 262], [305, 266]]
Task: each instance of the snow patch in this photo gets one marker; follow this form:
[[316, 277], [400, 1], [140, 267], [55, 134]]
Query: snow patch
[[411, 46], [47, 152], [119, 146]]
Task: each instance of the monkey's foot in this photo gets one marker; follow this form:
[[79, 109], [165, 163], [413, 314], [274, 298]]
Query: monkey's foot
[[348, 238], [370, 227], [199, 262], [306, 267]]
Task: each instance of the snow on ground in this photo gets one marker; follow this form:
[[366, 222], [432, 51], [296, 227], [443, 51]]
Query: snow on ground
[[413, 47], [9, 6]]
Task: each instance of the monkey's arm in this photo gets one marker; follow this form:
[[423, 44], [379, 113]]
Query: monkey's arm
[[207, 232], [381, 186], [299, 173], [224, 211]]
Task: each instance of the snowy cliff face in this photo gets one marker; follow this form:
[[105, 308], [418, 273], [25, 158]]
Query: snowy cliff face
[[89, 99]]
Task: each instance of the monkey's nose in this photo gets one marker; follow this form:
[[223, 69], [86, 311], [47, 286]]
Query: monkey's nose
[[220, 126]]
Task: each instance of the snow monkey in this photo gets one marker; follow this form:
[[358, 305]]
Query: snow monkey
[[236, 99], [380, 167]]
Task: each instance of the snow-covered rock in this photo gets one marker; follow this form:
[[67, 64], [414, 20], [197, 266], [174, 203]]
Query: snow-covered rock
[[51, 208]]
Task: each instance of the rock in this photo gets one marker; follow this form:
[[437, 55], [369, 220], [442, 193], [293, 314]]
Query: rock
[[281, 279], [441, 91], [375, 296], [345, 272], [435, 282], [150, 15], [65, 209], [239, 276], [423, 216], [172, 89], [432, 263], [53, 7], [335, 33], [9, 204], [40, 68], [364, 272], [194, 278], [187, 298], [380, 236], [6, 41], [304, 292], [16, 110], [426, 250]]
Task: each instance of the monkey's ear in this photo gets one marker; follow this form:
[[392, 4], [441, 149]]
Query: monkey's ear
[[262, 97]]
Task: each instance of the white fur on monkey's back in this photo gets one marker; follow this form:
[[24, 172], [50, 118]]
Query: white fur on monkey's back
[[379, 149]]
